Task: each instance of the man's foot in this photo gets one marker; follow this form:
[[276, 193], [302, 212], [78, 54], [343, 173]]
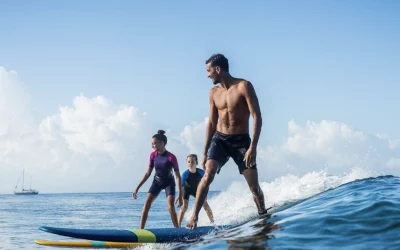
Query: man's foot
[[264, 213], [192, 224]]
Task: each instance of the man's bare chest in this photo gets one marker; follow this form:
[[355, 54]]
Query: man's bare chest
[[228, 99]]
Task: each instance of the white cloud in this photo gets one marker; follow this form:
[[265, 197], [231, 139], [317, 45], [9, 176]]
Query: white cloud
[[96, 126], [97, 145], [328, 145], [94, 145], [393, 163], [193, 136], [15, 114]]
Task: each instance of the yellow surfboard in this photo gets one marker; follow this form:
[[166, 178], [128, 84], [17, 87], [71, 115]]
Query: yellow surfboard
[[89, 244]]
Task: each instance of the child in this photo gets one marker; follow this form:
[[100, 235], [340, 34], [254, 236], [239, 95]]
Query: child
[[190, 180], [163, 162]]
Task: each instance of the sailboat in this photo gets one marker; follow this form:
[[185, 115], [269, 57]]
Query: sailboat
[[23, 191]]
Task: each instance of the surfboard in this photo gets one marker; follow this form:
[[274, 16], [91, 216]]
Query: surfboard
[[155, 235], [88, 244]]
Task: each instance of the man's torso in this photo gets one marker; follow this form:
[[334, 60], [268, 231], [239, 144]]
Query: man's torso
[[233, 111]]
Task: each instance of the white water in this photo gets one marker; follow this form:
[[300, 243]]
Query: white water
[[236, 205]]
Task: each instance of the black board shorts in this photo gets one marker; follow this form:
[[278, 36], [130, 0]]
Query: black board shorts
[[224, 146], [187, 192]]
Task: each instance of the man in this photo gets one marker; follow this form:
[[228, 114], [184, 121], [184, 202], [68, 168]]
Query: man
[[227, 133]]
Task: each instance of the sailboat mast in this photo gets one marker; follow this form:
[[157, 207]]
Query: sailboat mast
[[23, 173]]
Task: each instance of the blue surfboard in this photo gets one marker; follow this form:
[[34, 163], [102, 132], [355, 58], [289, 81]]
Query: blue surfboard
[[155, 235]]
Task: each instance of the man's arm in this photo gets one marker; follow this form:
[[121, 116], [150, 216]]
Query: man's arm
[[212, 121], [252, 101]]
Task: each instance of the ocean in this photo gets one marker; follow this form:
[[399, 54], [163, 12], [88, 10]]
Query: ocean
[[358, 210]]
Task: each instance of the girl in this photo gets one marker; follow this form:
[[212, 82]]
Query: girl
[[190, 180], [163, 162]]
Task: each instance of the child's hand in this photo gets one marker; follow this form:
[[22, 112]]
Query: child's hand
[[179, 200], [134, 194]]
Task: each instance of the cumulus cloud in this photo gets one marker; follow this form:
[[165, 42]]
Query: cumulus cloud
[[94, 144], [16, 119], [193, 135], [91, 145], [393, 163], [15, 114], [331, 146], [96, 126]]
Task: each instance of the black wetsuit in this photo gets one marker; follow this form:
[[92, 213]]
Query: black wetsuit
[[163, 178], [190, 181]]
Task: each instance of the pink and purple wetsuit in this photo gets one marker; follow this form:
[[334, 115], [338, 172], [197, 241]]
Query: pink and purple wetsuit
[[163, 177]]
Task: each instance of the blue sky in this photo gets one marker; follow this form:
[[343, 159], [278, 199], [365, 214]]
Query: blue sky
[[308, 60]]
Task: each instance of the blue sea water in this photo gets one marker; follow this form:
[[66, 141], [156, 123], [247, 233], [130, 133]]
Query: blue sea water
[[359, 210]]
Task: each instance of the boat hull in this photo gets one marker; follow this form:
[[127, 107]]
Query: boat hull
[[27, 193]]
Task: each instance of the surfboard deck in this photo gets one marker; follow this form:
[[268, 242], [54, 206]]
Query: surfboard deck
[[155, 235], [88, 244]]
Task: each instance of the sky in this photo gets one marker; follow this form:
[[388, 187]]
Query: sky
[[85, 85]]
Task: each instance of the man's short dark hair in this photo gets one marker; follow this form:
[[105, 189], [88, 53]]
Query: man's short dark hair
[[219, 60]]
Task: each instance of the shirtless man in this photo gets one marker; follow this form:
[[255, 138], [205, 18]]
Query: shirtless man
[[227, 134]]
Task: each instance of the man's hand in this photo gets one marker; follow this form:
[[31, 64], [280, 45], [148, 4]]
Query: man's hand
[[203, 163], [250, 157]]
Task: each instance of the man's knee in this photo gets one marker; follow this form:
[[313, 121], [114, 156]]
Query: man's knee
[[211, 170], [208, 179]]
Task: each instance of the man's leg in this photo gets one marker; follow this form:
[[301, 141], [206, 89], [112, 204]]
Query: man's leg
[[208, 211], [202, 191], [251, 176]]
